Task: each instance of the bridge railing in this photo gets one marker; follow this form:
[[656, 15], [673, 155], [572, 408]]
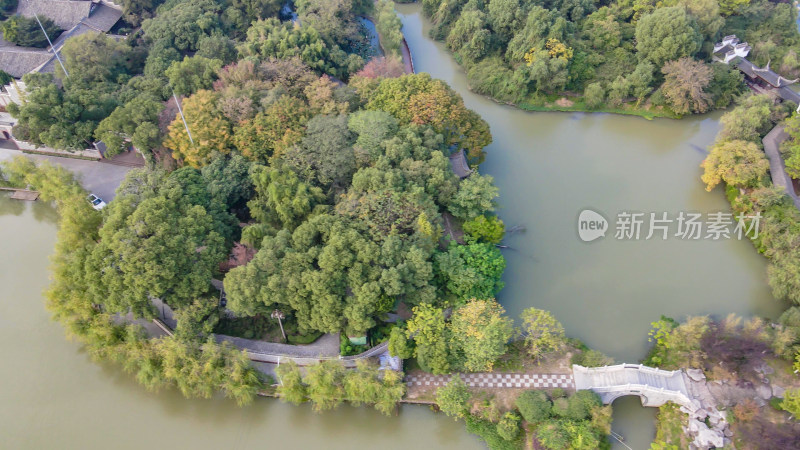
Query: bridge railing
[[644, 389], [623, 367]]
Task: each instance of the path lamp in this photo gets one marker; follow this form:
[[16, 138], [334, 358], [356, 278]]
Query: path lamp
[[277, 314]]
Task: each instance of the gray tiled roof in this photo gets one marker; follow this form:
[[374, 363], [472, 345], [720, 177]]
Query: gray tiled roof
[[65, 13], [19, 61], [103, 17]]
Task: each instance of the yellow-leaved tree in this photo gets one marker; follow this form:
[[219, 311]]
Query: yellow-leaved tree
[[210, 130]]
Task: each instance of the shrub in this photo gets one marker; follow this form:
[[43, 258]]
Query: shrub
[[594, 95], [453, 398], [488, 432], [579, 406], [534, 406], [508, 427], [791, 402], [592, 358], [560, 407]]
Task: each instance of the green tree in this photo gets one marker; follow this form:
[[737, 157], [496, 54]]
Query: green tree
[[641, 79], [678, 346], [57, 118], [132, 123], [479, 333], [594, 95], [453, 398], [241, 13], [489, 229], [325, 154], [165, 245], [543, 333], [389, 26], [134, 11], [468, 36], [726, 86], [429, 331], [290, 383], [399, 345], [228, 179], [534, 406], [95, 58], [506, 17], [475, 196], [540, 24], [685, 81], [737, 163], [421, 100], [217, 47], [666, 35], [282, 198], [26, 32], [581, 404], [181, 25], [750, 119], [471, 271], [325, 389], [7, 8], [272, 38], [271, 132], [731, 7], [193, 74], [334, 19]]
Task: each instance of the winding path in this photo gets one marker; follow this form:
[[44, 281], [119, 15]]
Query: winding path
[[777, 168], [324, 348]]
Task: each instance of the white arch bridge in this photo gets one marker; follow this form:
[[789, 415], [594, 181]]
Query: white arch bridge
[[654, 386]]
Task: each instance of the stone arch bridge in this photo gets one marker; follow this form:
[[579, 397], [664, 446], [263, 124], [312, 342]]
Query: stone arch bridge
[[654, 386]]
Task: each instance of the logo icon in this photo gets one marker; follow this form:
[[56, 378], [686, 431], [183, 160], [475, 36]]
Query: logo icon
[[591, 225]]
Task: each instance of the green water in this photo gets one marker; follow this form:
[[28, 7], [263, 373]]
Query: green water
[[548, 166]]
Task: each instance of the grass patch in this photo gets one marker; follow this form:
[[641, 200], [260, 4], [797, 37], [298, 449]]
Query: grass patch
[[60, 155], [580, 106]]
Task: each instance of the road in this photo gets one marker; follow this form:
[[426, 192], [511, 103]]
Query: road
[[98, 178]]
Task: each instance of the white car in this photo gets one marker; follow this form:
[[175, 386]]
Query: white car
[[96, 202]]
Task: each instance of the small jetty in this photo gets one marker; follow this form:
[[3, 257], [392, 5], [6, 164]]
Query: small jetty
[[22, 194]]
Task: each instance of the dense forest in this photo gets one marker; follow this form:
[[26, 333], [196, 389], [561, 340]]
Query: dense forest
[[623, 56], [330, 177], [116, 89]]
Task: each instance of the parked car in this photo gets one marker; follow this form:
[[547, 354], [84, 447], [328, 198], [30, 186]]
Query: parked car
[[97, 202]]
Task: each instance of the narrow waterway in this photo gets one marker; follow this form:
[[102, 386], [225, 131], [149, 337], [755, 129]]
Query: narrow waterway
[[549, 167]]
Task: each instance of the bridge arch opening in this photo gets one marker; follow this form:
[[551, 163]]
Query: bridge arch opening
[[642, 397]]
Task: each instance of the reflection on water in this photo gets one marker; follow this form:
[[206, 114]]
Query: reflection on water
[[53, 396], [10, 207], [633, 423], [551, 166], [42, 211]]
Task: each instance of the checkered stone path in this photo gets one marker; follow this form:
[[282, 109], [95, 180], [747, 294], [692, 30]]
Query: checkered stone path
[[498, 380]]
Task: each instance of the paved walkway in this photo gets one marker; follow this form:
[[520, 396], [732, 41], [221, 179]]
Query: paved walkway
[[497, 380], [777, 168], [96, 177], [325, 346]]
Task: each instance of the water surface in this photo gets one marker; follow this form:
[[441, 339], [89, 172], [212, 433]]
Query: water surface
[[52, 396]]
